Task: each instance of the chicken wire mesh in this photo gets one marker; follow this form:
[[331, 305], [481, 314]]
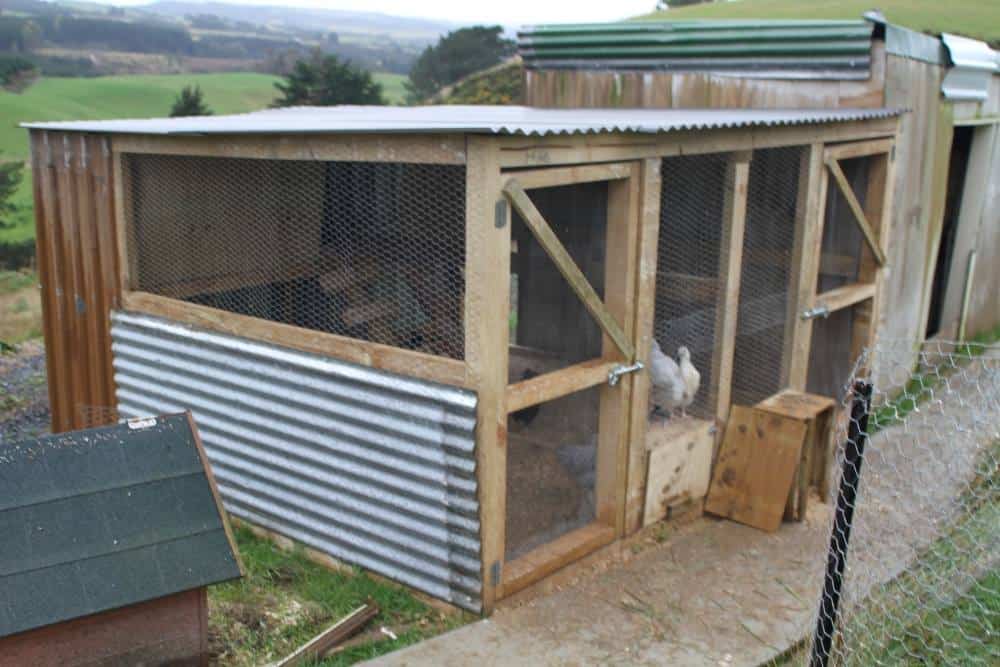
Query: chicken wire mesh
[[766, 278], [369, 250], [916, 527], [692, 205]]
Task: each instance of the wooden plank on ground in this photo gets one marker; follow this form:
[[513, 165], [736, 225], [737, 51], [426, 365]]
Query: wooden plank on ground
[[316, 647], [755, 467]]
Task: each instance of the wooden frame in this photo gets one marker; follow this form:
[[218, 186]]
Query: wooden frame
[[616, 316]]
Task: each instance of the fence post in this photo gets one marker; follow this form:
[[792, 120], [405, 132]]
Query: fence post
[[854, 450]]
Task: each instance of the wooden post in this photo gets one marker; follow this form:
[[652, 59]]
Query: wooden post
[[645, 300], [810, 215], [730, 265], [620, 297], [487, 305]]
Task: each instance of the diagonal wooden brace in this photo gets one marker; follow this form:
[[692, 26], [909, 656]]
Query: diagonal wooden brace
[[859, 212], [522, 203]]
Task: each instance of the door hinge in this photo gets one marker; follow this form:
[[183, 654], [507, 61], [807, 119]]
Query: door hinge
[[500, 213], [495, 573], [617, 372], [817, 311]]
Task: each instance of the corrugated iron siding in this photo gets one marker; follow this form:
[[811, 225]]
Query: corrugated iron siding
[[370, 467], [78, 272], [776, 49]]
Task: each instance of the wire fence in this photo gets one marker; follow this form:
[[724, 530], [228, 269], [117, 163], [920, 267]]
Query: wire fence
[[912, 574]]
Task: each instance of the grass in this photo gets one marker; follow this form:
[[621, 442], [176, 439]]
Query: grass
[[20, 307], [285, 600], [134, 96], [975, 18]]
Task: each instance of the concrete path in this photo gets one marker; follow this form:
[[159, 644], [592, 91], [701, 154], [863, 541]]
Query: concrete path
[[712, 593]]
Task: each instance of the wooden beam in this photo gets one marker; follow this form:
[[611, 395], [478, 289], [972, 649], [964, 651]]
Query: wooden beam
[[809, 208], [645, 307], [319, 645], [567, 267], [556, 176], [375, 355], [555, 555], [557, 384], [858, 149], [419, 148], [730, 266], [487, 308], [846, 296], [859, 214]]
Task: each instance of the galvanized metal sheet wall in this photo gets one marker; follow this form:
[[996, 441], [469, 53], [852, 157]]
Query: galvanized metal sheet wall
[[370, 467]]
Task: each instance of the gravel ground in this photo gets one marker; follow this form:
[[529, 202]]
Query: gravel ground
[[24, 399]]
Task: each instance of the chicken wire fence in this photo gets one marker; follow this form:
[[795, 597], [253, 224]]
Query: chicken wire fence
[[369, 250], [912, 573]]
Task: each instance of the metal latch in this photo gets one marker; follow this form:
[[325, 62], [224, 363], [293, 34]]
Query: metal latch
[[615, 373], [817, 311]]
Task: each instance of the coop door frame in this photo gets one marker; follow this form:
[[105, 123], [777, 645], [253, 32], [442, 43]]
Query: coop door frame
[[823, 172], [615, 315]]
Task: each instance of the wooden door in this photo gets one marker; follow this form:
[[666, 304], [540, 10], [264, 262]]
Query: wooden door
[[572, 348]]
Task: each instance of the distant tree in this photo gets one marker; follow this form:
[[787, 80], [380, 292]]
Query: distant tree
[[456, 55], [11, 174], [323, 80], [190, 102], [667, 4]]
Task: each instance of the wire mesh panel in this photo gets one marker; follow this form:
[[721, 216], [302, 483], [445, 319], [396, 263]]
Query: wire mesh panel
[[841, 250], [767, 273], [918, 512], [373, 251], [692, 203]]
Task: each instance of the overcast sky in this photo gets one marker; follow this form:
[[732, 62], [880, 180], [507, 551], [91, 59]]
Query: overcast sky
[[508, 12]]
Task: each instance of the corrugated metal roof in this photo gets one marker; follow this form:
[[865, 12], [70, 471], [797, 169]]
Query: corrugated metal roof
[[775, 48], [105, 518], [973, 64], [511, 120]]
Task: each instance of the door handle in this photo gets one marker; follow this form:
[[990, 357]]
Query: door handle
[[617, 372], [817, 311]]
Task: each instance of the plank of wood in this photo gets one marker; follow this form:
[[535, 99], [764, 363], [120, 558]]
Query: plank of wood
[[556, 176], [858, 149], [731, 250], [797, 404], [375, 355], [567, 267], [680, 464], [805, 263], [319, 645], [846, 296], [859, 213], [645, 300], [755, 467], [557, 384], [487, 307], [557, 554]]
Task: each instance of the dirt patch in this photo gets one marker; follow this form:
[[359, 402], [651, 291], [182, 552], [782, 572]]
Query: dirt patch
[[24, 399]]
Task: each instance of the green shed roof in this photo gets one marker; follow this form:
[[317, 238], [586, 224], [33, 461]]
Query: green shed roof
[[784, 49], [104, 518]]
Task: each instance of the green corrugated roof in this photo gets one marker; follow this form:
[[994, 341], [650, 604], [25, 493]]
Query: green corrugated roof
[[826, 48], [105, 518]]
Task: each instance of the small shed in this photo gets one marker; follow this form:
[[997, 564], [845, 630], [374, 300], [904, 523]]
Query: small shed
[[414, 338], [110, 536], [945, 255]]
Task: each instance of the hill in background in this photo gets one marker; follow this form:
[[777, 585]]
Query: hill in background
[[974, 18]]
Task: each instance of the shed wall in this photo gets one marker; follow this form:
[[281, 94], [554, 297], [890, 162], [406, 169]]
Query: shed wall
[[77, 270], [369, 467], [170, 630]]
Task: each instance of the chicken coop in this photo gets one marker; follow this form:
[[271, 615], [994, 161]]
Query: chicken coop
[[418, 339]]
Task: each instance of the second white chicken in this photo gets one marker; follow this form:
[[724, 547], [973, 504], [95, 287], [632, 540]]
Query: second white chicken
[[667, 387], [691, 376]]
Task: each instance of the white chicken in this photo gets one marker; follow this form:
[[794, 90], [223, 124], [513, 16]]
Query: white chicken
[[691, 376], [667, 387]]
